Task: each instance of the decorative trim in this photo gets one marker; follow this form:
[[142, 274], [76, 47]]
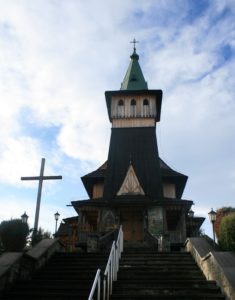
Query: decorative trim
[[131, 185]]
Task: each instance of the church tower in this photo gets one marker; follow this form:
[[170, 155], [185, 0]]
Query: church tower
[[134, 187], [133, 111]]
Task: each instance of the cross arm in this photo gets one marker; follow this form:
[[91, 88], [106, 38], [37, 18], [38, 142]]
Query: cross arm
[[30, 178], [43, 178], [52, 177]]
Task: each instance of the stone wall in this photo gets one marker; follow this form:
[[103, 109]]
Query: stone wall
[[19, 265], [216, 265]]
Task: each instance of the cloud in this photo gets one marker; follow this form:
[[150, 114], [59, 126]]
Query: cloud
[[58, 57]]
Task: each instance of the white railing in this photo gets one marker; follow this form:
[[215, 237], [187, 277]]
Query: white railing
[[95, 284], [110, 272]]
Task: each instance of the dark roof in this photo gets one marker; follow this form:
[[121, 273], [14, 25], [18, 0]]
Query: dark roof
[[64, 230], [90, 179], [165, 202], [140, 146], [170, 175], [137, 199], [99, 202], [70, 220], [98, 172], [167, 171], [196, 222]]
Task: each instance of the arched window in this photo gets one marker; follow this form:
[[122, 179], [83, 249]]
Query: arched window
[[146, 110], [120, 102], [146, 102], [133, 108], [121, 108]]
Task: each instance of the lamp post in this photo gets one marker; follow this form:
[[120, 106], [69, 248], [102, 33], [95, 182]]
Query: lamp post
[[191, 216], [191, 213], [24, 218], [57, 215], [212, 217]]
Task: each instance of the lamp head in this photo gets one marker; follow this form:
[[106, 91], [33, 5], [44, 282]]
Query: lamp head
[[191, 213], [57, 215], [212, 216], [24, 218]]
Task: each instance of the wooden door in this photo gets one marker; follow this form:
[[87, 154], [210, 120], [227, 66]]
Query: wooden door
[[132, 223]]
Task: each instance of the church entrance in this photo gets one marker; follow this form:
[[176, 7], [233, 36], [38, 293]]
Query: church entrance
[[132, 224]]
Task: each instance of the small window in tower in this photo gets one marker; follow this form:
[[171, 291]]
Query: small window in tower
[[133, 102], [120, 102], [146, 110], [133, 108], [146, 102], [120, 112]]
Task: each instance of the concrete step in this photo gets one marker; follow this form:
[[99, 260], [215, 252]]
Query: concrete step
[[165, 297], [58, 284], [45, 295], [129, 275], [163, 284], [157, 263], [149, 275], [68, 268], [164, 290], [66, 276]]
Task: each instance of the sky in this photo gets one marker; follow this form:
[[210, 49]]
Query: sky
[[58, 57]]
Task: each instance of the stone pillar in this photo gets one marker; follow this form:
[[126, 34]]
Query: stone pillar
[[164, 244], [182, 226]]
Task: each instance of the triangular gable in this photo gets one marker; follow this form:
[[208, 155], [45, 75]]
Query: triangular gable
[[130, 184]]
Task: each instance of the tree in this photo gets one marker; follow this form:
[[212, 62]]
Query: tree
[[220, 214], [227, 232], [14, 234]]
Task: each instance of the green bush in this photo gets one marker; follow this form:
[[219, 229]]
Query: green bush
[[227, 232], [13, 235]]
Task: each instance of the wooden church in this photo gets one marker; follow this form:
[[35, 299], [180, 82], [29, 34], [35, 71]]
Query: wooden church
[[135, 187]]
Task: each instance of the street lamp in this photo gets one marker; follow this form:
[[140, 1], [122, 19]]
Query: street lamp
[[57, 215], [191, 213], [24, 218], [191, 216], [212, 217]]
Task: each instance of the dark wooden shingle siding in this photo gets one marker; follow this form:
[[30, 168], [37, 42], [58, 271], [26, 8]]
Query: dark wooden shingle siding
[[138, 146]]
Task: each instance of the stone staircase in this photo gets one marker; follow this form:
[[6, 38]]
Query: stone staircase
[[66, 276], [146, 274]]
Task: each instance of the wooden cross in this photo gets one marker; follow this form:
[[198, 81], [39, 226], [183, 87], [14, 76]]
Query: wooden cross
[[40, 178], [134, 42]]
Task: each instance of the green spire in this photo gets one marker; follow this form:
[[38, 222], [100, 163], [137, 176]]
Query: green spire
[[134, 78]]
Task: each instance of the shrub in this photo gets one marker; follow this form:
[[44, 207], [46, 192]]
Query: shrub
[[227, 232], [13, 234], [220, 214]]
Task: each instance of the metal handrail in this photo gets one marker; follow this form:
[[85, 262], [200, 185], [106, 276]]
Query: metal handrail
[[110, 273], [94, 285], [119, 248]]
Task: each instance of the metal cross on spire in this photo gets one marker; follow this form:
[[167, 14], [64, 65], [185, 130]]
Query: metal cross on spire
[[40, 178], [134, 42]]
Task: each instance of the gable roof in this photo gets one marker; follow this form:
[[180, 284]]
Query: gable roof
[[130, 185]]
